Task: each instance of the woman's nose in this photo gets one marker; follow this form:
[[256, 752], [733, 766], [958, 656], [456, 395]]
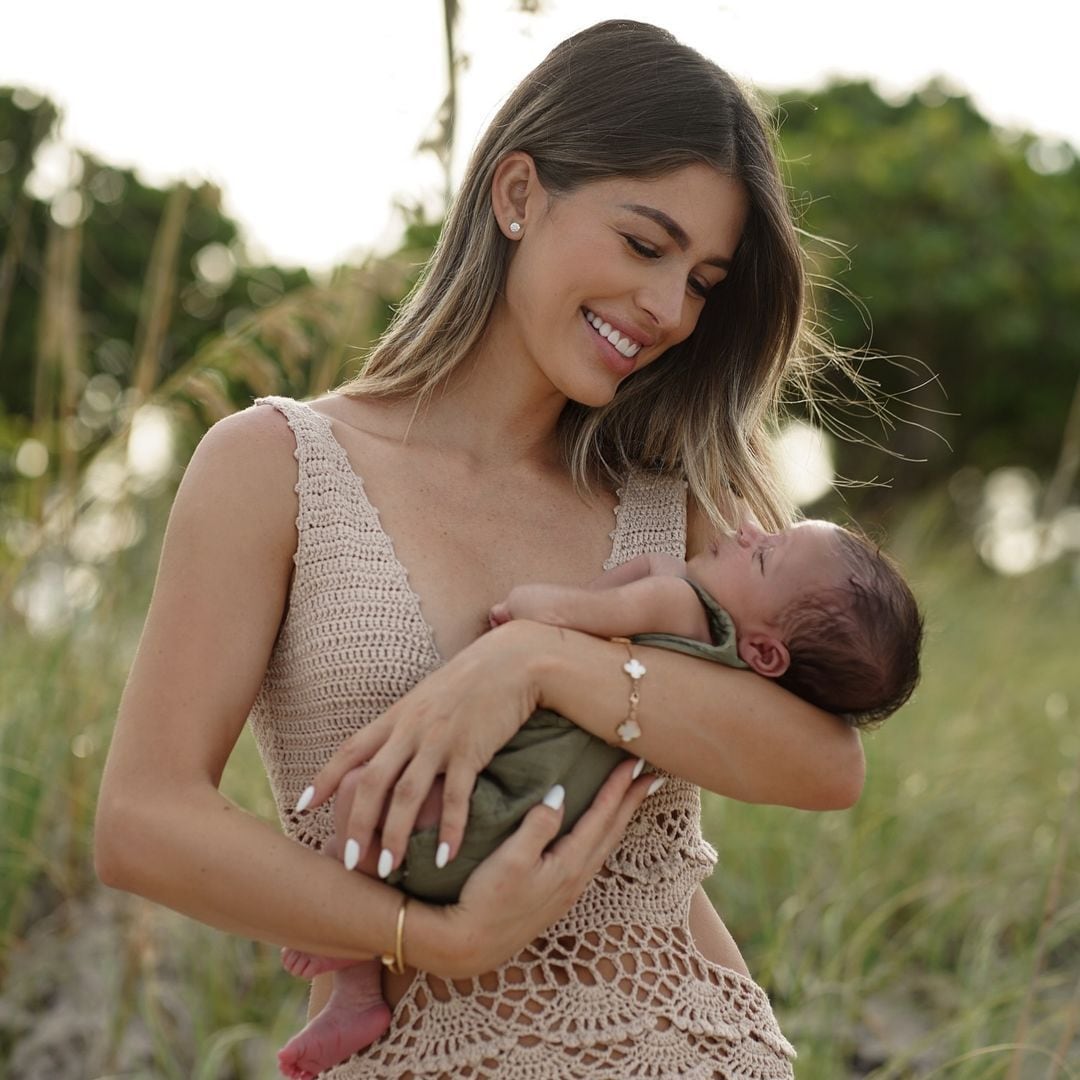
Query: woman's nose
[[665, 300]]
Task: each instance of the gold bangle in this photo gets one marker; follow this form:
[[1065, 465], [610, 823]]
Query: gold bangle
[[395, 962], [628, 729]]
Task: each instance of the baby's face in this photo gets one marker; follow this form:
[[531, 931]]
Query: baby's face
[[756, 575]]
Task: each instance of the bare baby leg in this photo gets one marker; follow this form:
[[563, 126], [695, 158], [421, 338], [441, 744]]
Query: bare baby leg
[[355, 1014]]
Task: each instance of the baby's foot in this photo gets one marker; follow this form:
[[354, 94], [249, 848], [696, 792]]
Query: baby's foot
[[353, 1018], [305, 965]]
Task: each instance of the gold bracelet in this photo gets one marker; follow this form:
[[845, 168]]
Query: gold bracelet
[[628, 729], [395, 962]]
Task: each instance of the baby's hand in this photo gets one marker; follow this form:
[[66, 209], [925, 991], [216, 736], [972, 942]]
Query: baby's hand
[[536, 602]]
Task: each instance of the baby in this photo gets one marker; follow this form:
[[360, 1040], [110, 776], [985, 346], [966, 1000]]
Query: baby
[[814, 606]]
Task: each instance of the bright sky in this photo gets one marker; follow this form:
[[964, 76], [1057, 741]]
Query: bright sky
[[308, 115]]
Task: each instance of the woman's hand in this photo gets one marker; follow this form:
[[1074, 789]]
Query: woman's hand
[[450, 724], [524, 886]]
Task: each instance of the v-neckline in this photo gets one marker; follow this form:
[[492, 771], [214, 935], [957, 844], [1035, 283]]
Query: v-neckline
[[387, 540]]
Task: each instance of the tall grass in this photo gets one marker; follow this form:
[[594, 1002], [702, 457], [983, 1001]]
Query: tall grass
[[933, 931]]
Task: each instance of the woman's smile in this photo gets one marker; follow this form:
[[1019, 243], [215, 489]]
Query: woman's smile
[[624, 343], [630, 257], [620, 361]]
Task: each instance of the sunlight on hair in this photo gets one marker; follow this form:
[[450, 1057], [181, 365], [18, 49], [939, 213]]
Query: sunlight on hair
[[804, 458]]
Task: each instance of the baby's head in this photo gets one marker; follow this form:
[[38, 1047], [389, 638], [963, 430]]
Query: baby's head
[[821, 610]]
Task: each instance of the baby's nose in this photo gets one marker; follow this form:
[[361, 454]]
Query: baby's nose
[[749, 533]]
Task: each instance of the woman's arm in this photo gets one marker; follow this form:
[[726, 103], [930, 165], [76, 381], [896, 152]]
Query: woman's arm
[[164, 831], [729, 731]]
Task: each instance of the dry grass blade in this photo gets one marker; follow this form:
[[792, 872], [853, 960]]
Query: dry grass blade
[[58, 362], [1068, 1034], [1068, 465], [157, 300], [1053, 899]]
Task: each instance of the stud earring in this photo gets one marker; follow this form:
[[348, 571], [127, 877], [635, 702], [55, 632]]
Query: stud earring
[[515, 227]]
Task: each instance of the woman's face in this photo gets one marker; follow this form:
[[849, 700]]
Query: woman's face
[[605, 280]]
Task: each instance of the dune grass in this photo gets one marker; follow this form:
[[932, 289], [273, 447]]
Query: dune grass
[[933, 931]]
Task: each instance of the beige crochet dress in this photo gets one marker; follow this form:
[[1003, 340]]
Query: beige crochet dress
[[616, 988]]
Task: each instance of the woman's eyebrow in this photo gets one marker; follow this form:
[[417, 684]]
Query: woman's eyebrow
[[673, 229]]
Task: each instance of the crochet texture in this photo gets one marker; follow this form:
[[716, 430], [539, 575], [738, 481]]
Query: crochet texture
[[617, 987]]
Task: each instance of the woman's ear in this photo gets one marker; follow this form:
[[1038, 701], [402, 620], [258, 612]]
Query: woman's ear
[[514, 187], [766, 654]]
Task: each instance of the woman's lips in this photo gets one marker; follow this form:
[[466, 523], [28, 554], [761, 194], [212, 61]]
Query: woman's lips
[[624, 343], [612, 358]]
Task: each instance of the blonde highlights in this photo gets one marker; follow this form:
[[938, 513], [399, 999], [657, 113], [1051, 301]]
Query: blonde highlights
[[626, 99]]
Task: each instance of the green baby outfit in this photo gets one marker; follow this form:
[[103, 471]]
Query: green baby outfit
[[547, 750]]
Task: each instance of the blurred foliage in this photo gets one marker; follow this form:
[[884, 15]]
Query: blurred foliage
[[114, 294], [932, 931], [129, 284], [962, 249], [952, 237]]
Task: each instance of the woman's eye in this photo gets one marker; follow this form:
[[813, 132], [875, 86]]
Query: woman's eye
[[761, 560], [641, 249], [699, 287]]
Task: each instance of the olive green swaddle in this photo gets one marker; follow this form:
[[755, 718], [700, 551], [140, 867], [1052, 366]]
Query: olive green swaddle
[[547, 750]]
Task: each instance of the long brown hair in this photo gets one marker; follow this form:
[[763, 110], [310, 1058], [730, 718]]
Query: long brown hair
[[626, 99]]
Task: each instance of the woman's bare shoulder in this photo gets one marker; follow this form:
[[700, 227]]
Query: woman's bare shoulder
[[257, 440], [380, 417], [249, 434], [243, 476]]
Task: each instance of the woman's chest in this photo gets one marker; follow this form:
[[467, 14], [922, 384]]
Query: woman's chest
[[464, 541], [458, 536]]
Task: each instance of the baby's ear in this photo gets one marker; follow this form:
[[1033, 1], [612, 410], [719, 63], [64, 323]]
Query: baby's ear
[[766, 654]]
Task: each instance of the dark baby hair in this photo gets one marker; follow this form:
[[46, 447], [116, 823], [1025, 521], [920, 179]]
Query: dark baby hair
[[855, 648]]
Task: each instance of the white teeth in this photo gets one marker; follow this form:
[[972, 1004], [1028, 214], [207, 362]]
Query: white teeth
[[622, 343]]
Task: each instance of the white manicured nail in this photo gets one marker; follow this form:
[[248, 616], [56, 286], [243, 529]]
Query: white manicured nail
[[554, 798], [442, 856], [638, 767], [305, 799], [386, 862], [656, 785], [352, 854]]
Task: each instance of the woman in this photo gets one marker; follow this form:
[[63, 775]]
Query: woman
[[605, 327]]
